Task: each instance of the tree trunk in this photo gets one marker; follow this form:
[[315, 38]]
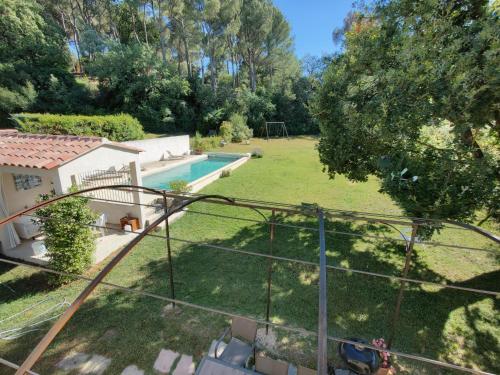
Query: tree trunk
[[202, 70], [186, 52], [162, 34], [77, 41], [213, 72], [145, 25], [469, 140], [252, 75]]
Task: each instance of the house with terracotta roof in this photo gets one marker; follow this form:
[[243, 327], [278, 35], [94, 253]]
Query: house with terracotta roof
[[33, 164]]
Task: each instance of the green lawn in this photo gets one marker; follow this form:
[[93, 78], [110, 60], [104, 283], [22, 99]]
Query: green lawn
[[447, 325]]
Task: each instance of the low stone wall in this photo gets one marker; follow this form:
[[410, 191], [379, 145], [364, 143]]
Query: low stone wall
[[154, 149]]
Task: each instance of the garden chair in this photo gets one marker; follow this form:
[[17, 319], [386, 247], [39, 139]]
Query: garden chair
[[241, 344], [301, 370], [269, 366], [167, 155]]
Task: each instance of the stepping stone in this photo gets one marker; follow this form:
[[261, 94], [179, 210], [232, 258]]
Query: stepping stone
[[185, 366], [220, 349], [95, 365], [132, 370], [73, 361], [165, 360]]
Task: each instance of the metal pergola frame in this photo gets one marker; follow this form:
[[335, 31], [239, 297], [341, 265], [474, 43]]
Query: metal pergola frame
[[317, 212]]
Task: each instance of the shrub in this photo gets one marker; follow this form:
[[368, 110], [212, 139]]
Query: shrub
[[200, 144], [241, 131], [197, 143], [225, 173], [226, 131], [257, 153], [119, 128], [179, 186], [211, 142], [68, 237]]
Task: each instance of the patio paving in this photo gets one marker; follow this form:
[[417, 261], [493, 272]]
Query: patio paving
[[132, 370], [185, 366], [165, 360]]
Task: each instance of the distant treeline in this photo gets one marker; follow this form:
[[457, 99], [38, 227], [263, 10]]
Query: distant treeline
[[177, 65]]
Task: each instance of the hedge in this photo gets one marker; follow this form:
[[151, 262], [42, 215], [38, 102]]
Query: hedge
[[121, 127]]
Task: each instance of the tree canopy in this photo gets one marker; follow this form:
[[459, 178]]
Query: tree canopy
[[179, 65], [414, 100]]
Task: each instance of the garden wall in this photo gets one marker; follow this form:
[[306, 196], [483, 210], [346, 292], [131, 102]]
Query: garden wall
[[154, 149]]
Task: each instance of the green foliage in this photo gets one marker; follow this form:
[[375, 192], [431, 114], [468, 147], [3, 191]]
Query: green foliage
[[257, 153], [119, 128], [241, 132], [226, 131], [179, 66], [211, 142], [391, 85], [200, 144], [293, 107], [197, 143], [179, 186], [133, 80], [257, 107], [68, 237], [34, 61]]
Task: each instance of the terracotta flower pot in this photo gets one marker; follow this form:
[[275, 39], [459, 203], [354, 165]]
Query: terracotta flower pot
[[384, 371]]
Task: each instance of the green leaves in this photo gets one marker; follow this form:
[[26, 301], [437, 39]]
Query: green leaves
[[69, 239], [119, 128], [413, 91]]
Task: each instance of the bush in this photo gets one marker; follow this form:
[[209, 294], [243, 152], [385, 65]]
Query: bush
[[179, 186], [200, 144], [257, 153], [68, 237], [241, 131], [226, 131], [119, 128]]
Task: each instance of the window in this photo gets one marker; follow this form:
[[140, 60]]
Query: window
[[26, 181]]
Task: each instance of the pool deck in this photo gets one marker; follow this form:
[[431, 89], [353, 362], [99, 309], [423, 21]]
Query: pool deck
[[163, 165]]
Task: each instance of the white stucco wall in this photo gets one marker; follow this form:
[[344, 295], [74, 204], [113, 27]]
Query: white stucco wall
[[59, 180], [155, 148], [101, 158], [16, 200]]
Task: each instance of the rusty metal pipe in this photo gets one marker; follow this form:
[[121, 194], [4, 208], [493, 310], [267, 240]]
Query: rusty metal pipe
[[77, 303]]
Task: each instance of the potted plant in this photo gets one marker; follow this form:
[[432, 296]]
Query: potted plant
[[385, 359], [198, 144], [179, 187]]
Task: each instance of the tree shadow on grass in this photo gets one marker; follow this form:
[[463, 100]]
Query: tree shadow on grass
[[359, 305]]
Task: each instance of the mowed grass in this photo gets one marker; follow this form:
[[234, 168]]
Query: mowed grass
[[455, 326]]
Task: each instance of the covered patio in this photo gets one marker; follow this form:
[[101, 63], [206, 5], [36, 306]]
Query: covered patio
[[32, 165]]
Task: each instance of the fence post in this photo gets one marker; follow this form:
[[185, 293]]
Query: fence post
[[322, 317], [169, 249], [270, 269], [399, 299]]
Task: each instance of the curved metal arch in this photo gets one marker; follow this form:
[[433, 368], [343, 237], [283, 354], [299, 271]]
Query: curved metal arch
[[10, 218], [66, 316]]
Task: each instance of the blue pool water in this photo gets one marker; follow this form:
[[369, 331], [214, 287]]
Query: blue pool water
[[188, 172]]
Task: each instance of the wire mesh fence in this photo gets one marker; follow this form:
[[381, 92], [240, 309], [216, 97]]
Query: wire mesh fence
[[290, 235]]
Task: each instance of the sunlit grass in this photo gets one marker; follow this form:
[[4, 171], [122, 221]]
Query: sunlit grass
[[448, 325]]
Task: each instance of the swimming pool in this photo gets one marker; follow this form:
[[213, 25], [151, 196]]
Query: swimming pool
[[189, 171]]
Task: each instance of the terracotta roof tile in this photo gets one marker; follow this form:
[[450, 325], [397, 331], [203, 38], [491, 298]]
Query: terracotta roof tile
[[47, 151]]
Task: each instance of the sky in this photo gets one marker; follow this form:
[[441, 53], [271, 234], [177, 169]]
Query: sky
[[312, 23]]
